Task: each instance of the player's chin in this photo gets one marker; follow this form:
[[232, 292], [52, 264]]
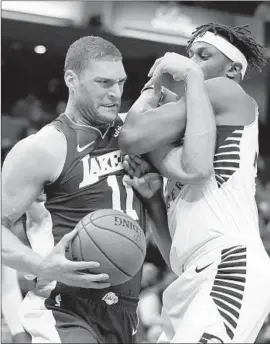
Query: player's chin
[[108, 113]]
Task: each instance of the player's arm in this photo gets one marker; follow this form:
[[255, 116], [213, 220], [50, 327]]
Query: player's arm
[[149, 186], [159, 224], [193, 161], [30, 164], [148, 127], [26, 169]]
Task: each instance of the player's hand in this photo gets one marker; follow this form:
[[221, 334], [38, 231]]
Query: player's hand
[[177, 65], [141, 176], [169, 96], [57, 267], [134, 165], [147, 186], [160, 94]]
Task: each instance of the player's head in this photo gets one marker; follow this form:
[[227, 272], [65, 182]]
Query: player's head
[[227, 51], [95, 76]]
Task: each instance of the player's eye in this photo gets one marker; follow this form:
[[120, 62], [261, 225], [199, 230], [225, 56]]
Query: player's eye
[[103, 82], [204, 57]]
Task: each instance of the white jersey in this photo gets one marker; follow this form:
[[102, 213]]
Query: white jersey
[[39, 233], [224, 207]]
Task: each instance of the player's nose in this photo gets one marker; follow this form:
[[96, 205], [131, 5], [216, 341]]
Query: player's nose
[[115, 91]]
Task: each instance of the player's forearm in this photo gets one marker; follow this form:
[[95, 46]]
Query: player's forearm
[[18, 256], [147, 128], [157, 212], [167, 160], [200, 134]]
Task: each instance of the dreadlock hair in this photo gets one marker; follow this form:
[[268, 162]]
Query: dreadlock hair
[[240, 37]]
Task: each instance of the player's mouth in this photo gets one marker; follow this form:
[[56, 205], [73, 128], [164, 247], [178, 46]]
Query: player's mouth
[[111, 106]]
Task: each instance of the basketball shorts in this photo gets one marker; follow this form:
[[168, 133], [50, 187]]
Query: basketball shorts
[[223, 297], [73, 315]]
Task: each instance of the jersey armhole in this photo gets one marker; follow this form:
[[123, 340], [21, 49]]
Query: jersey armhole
[[58, 175]]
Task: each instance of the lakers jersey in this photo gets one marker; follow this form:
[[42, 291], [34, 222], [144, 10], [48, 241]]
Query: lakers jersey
[[223, 207], [92, 178]]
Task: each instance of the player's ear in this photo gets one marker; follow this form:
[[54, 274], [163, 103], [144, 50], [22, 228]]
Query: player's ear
[[71, 80], [234, 70]]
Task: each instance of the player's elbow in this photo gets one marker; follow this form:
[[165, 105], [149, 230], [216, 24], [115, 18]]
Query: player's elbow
[[200, 175], [129, 142], [126, 141], [198, 170], [203, 174]]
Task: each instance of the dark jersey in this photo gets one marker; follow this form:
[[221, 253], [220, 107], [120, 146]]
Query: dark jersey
[[92, 179]]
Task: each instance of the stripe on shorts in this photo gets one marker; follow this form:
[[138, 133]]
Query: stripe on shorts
[[229, 286]]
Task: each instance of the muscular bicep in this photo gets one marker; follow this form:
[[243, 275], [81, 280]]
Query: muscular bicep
[[31, 163], [143, 132], [23, 176]]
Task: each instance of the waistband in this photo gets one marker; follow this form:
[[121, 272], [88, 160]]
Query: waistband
[[220, 243], [105, 297]]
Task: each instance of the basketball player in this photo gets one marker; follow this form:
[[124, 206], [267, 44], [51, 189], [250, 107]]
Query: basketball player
[[36, 220], [76, 160], [222, 294]]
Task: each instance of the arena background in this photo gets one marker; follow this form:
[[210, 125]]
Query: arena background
[[35, 37]]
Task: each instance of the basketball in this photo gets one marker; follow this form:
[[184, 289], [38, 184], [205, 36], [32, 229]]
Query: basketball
[[114, 240]]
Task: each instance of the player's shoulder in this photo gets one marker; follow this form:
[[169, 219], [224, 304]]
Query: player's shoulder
[[48, 141], [225, 88], [230, 101], [45, 150]]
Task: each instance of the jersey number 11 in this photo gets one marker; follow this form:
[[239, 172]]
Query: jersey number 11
[[116, 199]]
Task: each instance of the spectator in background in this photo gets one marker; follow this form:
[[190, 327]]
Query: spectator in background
[[60, 107], [263, 203]]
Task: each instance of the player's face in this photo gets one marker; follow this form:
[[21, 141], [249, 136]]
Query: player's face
[[212, 61], [100, 89]]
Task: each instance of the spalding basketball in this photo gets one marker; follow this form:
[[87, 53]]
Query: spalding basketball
[[114, 240]]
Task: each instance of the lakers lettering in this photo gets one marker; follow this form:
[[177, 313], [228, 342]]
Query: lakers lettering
[[99, 166]]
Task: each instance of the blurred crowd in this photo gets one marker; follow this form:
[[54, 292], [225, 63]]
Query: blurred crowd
[[28, 115]]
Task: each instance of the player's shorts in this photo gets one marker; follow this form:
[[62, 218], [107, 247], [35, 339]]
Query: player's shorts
[[73, 315], [223, 297]]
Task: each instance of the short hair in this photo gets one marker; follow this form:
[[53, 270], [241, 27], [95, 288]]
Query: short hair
[[241, 38], [90, 48]]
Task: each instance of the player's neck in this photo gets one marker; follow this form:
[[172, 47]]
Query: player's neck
[[81, 116], [76, 114]]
